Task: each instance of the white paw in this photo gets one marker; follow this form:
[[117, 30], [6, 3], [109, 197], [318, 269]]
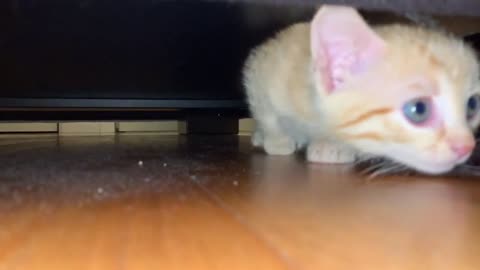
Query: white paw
[[283, 146], [257, 138], [329, 153]]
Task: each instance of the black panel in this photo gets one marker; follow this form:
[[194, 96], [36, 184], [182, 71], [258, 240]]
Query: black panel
[[121, 50], [474, 41]]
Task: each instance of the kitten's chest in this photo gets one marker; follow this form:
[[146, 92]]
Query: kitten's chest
[[303, 130]]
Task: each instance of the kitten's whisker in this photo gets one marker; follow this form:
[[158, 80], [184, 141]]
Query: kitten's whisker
[[469, 169], [469, 166], [363, 158], [386, 168], [374, 167], [380, 172]]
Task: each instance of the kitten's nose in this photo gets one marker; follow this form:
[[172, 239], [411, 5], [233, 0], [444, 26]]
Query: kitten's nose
[[463, 148]]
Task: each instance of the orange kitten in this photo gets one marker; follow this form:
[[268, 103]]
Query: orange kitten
[[343, 90]]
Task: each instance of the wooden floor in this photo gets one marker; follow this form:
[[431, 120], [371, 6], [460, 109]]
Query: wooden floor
[[156, 202]]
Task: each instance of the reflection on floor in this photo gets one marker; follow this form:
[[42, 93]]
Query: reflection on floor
[[172, 202]]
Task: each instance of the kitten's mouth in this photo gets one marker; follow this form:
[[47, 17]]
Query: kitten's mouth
[[411, 166], [429, 168], [435, 168]]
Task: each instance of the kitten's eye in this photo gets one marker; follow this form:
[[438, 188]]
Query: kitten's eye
[[418, 110], [473, 105]]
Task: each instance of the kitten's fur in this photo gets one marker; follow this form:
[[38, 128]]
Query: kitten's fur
[[337, 86]]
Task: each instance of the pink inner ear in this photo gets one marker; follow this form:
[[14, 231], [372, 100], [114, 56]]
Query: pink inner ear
[[343, 45], [341, 59]]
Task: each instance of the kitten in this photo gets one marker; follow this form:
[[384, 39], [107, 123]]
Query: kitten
[[345, 90]]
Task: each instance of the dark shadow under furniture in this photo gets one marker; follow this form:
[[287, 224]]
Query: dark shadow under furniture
[[143, 60]]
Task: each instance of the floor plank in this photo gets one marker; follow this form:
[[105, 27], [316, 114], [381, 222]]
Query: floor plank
[[175, 202]]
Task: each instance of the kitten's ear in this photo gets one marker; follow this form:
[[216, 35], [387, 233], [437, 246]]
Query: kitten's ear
[[342, 45]]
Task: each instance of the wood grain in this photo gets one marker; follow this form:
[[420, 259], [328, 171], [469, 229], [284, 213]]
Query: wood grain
[[177, 202]]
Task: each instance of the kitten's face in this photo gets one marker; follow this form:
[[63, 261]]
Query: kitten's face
[[406, 93], [416, 108]]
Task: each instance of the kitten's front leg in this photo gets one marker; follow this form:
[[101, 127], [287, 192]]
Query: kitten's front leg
[[272, 139], [278, 144], [273, 143], [327, 152]]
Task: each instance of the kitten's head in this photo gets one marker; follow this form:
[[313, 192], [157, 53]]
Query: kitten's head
[[402, 92]]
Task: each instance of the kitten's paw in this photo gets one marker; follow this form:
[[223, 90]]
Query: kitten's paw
[[279, 146], [329, 153], [257, 138]]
